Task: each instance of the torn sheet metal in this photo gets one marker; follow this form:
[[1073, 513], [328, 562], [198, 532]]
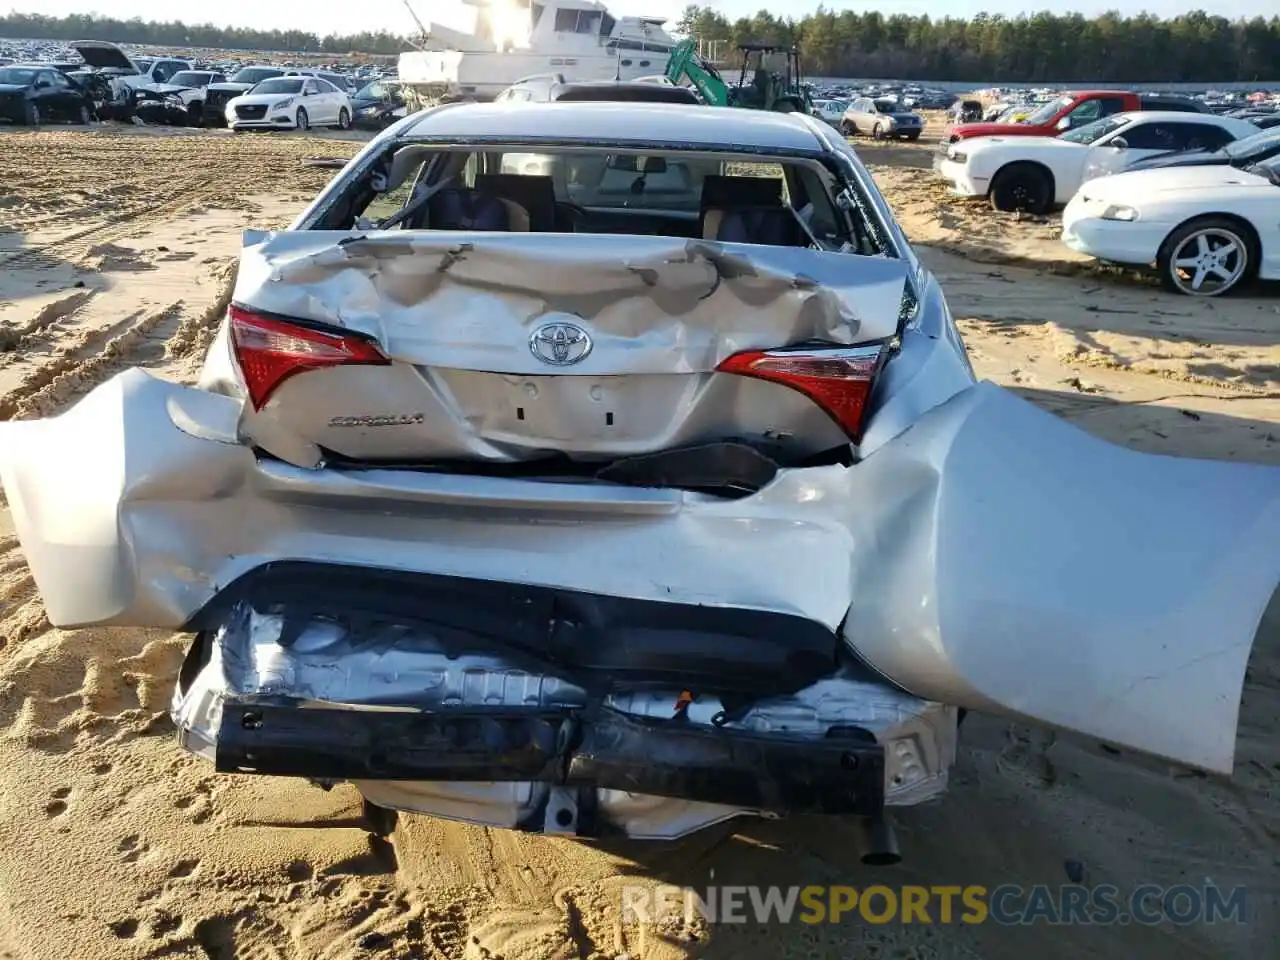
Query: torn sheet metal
[[470, 301], [992, 556]]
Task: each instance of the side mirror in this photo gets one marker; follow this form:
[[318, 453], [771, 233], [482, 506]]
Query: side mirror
[[1064, 123], [1120, 143]]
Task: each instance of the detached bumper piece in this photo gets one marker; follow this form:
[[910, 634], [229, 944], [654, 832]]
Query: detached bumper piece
[[605, 750]]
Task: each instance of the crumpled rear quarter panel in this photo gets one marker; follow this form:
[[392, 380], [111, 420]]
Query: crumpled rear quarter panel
[[992, 556]]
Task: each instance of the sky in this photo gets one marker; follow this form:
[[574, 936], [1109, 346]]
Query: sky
[[338, 16]]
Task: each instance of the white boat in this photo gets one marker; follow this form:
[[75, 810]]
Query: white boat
[[578, 39]]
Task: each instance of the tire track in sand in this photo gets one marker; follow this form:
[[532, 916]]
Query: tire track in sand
[[80, 366], [76, 245]]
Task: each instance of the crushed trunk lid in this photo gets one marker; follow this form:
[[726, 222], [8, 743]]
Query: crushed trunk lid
[[102, 54], [516, 347]]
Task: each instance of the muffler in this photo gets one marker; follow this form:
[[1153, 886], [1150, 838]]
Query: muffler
[[879, 841]]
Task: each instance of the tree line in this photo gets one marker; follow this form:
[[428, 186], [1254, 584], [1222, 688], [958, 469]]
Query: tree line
[[1044, 47], [85, 26], [1041, 47]]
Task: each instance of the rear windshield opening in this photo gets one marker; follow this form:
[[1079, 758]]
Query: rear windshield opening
[[732, 198]]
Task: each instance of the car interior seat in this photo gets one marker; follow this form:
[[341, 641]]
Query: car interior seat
[[774, 226], [535, 195], [459, 208], [748, 210]]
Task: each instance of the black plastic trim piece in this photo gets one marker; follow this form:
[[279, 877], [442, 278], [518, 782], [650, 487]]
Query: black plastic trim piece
[[601, 749], [601, 642]]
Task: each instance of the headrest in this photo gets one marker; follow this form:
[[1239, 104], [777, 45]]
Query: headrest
[[722, 191], [536, 194], [774, 226], [462, 209]]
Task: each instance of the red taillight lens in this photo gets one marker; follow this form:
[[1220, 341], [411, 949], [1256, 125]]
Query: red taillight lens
[[270, 351], [838, 380]]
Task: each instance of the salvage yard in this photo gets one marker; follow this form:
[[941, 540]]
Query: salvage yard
[[116, 249]]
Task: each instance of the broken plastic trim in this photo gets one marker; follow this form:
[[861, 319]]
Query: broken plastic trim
[[598, 642], [600, 748], [726, 468]]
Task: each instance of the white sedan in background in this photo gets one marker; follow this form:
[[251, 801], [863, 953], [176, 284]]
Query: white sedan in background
[[832, 111], [290, 103], [1206, 228], [1036, 173]]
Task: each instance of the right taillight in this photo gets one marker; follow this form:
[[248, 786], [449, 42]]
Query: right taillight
[[270, 350], [839, 380]]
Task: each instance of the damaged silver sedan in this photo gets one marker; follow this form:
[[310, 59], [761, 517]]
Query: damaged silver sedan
[[617, 468]]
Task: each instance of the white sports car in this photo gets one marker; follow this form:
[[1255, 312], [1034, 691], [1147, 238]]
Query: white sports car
[[290, 103], [1206, 228], [1036, 173]]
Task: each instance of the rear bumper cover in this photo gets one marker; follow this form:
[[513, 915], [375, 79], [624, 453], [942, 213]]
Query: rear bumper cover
[[610, 751]]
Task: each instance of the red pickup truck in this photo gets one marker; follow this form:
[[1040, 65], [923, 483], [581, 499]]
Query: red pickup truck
[[1071, 110]]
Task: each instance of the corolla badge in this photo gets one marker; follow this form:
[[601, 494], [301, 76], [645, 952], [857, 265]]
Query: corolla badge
[[560, 344]]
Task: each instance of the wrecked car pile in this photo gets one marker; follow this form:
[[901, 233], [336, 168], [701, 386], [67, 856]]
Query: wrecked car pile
[[167, 90], [617, 468]]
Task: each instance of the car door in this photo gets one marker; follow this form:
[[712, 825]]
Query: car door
[[66, 95], [333, 97], [337, 98], [163, 70], [1115, 152], [1141, 140], [1086, 111], [313, 103], [45, 95], [861, 108]]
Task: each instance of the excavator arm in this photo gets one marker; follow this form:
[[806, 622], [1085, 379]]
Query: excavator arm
[[686, 67]]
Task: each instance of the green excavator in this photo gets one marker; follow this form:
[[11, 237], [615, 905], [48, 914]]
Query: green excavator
[[759, 88]]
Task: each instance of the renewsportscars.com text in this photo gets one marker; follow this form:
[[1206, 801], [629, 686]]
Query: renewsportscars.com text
[[1009, 904]]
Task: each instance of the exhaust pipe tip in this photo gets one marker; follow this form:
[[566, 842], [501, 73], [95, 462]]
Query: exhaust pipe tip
[[879, 842]]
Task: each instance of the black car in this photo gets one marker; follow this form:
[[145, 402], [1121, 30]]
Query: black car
[[1156, 101], [552, 87], [32, 94], [1239, 153], [217, 95], [376, 105], [623, 91]]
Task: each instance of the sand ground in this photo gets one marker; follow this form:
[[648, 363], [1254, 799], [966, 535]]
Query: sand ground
[[116, 247]]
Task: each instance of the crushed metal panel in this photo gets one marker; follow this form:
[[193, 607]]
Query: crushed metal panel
[[992, 556], [458, 300], [1027, 568]]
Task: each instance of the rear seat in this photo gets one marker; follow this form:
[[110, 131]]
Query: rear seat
[[458, 208], [773, 226], [536, 195], [748, 210]]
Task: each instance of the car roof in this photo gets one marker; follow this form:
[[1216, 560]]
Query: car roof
[[1180, 116], [630, 91], [692, 127]]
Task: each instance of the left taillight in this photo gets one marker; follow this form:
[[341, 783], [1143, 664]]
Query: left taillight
[[270, 350], [839, 380]]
